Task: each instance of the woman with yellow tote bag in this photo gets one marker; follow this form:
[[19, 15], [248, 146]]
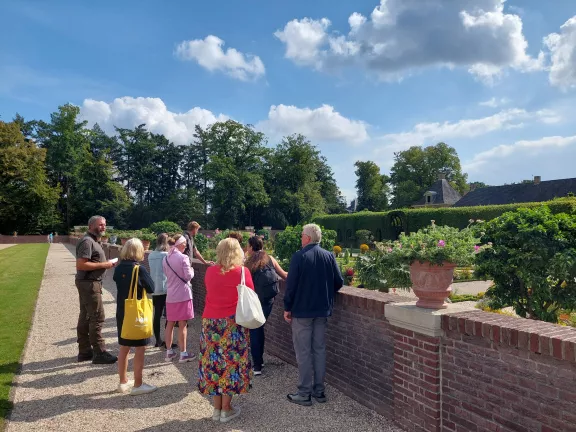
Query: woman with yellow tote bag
[[133, 315]]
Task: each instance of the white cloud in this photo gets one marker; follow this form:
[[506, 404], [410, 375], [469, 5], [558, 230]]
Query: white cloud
[[319, 124], [495, 102], [303, 39], [430, 133], [519, 153], [405, 35], [562, 48], [129, 112], [209, 54]]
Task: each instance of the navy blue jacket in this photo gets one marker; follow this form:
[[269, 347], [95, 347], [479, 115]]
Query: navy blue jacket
[[313, 279]]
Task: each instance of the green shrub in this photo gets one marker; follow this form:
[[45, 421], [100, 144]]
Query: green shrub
[[380, 223], [201, 243], [375, 271], [365, 237], [264, 233], [289, 241], [532, 262], [164, 227]]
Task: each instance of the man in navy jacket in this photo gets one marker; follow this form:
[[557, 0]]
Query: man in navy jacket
[[313, 280]]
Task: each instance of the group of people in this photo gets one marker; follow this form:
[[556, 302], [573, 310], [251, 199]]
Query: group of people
[[230, 355]]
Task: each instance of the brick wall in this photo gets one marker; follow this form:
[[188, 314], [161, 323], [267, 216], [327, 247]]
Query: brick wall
[[502, 373], [27, 239]]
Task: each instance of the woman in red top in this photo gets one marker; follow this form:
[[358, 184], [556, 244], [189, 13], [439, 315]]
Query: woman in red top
[[225, 368]]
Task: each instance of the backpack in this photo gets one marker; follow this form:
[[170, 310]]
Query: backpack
[[266, 282]]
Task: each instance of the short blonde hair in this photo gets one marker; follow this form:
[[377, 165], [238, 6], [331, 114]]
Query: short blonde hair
[[314, 232], [133, 250], [193, 225], [229, 254]]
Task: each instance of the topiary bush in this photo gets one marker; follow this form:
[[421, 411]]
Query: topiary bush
[[264, 233], [532, 262], [365, 237], [165, 227]]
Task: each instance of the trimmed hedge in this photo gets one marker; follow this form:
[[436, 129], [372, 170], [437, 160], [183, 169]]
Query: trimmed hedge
[[380, 223]]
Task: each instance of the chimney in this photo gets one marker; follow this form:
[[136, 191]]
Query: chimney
[[472, 186], [441, 176], [537, 180]]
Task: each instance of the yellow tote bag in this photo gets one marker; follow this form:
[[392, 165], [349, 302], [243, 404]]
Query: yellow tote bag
[[137, 322]]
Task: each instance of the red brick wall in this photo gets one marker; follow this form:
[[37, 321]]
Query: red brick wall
[[502, 373], [417, 375], [26, 239]]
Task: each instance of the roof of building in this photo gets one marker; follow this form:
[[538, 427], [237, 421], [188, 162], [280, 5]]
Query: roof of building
[[441, 193], [519, 193]]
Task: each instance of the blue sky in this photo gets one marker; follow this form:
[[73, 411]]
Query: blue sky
[[496, 80]]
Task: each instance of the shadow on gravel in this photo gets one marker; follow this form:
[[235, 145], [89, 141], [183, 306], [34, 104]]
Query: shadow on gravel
[[31, 411]]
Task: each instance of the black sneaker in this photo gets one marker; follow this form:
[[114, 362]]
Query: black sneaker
[[82, 357], [300, 400], [321, 398], [104, 358]]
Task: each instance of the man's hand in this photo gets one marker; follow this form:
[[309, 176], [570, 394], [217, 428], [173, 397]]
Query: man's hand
[[211, 263], [108, 264], [288, 317]]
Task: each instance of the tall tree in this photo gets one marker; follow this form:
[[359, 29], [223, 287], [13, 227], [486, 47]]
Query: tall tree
[[66, 140], [417, 168], [371, 186], [293, 181], [235, 172], [27, 201]]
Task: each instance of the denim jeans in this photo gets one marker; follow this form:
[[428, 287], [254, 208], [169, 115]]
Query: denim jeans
[[257, 337]]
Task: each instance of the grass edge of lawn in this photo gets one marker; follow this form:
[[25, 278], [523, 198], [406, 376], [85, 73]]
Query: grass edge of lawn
[[40, 250]]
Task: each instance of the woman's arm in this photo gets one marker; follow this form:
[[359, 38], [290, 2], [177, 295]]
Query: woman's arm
[[248, 277], [187, 269], [279, 269], [145, 279]]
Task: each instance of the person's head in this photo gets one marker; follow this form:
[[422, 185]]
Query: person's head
[[258, 258], [229, 254], [255, 243], [193, 228], [171, 241], [311, 233], [180, 242], [97, 226], [162, 243], [237, 236], [133, 250]]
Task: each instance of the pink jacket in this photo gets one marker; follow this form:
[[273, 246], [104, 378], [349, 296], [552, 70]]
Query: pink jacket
[[176, 289]]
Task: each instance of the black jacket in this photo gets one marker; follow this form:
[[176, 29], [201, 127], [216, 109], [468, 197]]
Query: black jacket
[[313, 279], [123, 276]]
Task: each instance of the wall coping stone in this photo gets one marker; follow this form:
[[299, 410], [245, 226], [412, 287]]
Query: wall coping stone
[[424, 321]]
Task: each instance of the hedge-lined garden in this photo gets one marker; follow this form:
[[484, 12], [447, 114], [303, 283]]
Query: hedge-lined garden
[[386, 225]]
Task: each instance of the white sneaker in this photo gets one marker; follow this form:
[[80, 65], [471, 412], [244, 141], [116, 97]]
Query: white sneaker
[[143, 389], [226, 416], [216, 414], [124, 388], [257, 373]]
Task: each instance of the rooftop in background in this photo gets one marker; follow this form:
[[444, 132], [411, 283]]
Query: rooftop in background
[[440, 194], [535, 191]]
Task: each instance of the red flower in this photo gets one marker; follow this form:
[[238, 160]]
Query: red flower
[[349, 272]]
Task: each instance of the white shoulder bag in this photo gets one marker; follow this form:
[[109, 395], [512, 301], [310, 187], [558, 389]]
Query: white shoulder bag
[[249, 312]]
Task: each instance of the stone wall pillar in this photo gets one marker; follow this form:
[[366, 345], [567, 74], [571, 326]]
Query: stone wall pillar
[[418, 364]]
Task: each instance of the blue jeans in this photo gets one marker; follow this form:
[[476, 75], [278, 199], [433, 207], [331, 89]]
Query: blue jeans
[[257, 337]]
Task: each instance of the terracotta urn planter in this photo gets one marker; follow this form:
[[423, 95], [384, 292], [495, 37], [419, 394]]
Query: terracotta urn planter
[[432, 284]]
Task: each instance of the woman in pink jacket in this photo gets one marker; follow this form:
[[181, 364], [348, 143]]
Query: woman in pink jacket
[[179, 306]]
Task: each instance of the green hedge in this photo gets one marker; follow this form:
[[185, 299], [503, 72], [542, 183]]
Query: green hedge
[[379, 223]]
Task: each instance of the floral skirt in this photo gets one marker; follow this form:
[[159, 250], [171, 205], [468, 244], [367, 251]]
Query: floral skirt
[[224, 364]]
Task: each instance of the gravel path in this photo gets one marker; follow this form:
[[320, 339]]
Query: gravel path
[[4, 246], [53, 392]]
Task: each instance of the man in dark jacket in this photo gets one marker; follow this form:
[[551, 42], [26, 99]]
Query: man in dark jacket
[[313, 280]]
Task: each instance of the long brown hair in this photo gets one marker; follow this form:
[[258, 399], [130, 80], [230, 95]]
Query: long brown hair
[[259, 257]]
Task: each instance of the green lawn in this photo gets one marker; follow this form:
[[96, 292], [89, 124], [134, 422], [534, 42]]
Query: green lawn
[[21, 270]]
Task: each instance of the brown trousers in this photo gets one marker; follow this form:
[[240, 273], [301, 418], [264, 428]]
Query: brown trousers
[[91, 317]]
